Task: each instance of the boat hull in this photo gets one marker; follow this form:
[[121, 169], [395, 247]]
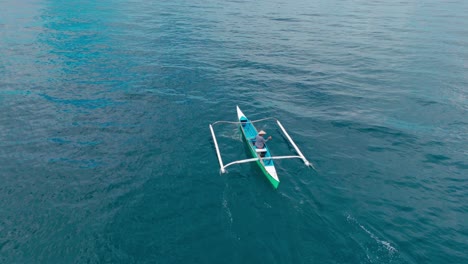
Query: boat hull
[[266, 165]]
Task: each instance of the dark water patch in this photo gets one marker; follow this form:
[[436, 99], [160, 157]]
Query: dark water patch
[[81, 163], [409, 182], [436, 159], [379, 149], [343, 123], [382, 131], [434, 143], [460, 165], [285, 19], [425, 102]]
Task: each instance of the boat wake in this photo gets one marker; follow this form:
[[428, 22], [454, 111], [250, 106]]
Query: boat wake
[[373, 253], [226, 207]]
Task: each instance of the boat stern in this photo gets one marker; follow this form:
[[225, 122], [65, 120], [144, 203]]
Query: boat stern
[[272, 176]]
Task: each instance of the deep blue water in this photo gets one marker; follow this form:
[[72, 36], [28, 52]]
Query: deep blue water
[[106, 155]]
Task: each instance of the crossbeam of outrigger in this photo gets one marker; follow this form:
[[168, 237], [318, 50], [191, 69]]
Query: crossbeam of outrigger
[[223, 167]]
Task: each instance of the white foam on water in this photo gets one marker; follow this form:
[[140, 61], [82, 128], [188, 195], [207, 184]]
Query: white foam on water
[[383, 243], [226, 207], [228, 211]]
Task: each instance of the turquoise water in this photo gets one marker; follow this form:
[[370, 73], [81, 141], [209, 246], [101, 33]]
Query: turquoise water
[[106, 155]]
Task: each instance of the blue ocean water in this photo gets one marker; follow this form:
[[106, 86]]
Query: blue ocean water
[[106, 155]]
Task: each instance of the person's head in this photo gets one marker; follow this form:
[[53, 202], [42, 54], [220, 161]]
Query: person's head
[[262, 133]]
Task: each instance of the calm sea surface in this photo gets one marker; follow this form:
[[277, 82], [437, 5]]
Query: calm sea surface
[[106, 155]]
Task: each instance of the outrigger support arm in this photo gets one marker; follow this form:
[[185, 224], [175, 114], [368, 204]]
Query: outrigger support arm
[[264, 158], [239, 162], [217, 150], [223, 167], [306, 162]]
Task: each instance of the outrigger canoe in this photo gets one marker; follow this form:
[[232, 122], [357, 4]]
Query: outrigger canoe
[[265, 162]]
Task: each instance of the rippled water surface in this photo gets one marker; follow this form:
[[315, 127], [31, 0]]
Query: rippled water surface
[[106, 155]]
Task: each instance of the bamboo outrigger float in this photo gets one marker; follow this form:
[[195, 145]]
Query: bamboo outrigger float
[[265, 162]]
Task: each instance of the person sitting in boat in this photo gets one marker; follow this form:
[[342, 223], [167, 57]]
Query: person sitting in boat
[[260, 140]]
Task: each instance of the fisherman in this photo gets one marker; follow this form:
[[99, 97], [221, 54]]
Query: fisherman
[[260, 140]]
